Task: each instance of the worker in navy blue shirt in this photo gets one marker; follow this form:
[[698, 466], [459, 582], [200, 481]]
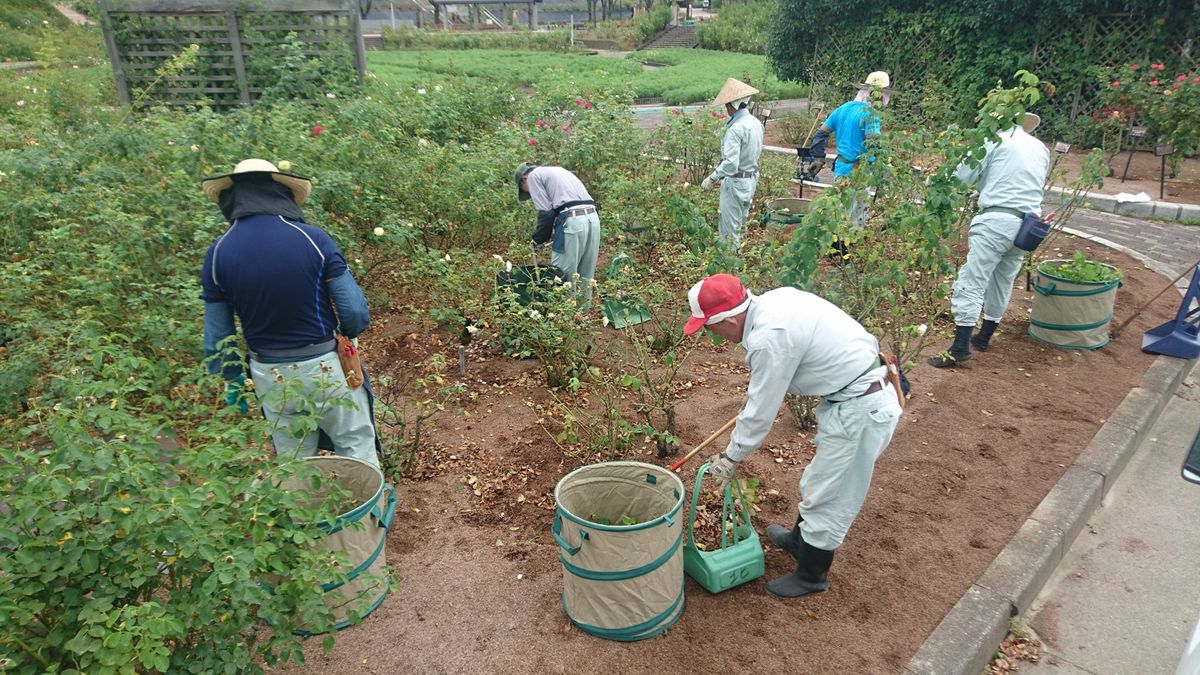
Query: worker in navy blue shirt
[[281, 277]]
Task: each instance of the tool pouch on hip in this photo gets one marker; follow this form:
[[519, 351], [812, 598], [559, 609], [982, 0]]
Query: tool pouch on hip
[[1032, 233], [351, 360], [559, 243]]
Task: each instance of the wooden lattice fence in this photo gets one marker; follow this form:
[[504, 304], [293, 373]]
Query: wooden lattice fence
[[243, 52]]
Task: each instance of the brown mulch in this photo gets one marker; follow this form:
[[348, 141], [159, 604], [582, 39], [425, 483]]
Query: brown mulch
[[977, 450]]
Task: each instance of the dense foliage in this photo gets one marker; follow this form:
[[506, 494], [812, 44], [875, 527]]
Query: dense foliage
[[739, 27], [959, 50]]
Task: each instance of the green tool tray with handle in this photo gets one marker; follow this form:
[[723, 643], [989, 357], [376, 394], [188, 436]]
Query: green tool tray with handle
[[740, 558]]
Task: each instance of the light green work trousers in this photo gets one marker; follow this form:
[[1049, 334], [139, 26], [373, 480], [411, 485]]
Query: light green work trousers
[[298, 398], [580, 249], [736, 197], [851, 435], [985, 281]]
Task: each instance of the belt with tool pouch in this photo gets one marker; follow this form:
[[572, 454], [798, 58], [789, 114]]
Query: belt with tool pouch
[[745, 174], [852, 162], [296, 354], [876, 386]]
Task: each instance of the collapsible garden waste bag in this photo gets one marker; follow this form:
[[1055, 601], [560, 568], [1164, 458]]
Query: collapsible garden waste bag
[[622, 312], [360, 532], [1071, 314], [786, 211], [619, 537], [740, 557]]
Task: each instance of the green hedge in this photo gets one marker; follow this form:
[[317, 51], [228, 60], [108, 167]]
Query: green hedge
[[739, 27], [416, 38]]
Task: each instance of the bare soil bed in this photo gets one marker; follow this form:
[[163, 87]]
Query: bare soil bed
[[977, 450]]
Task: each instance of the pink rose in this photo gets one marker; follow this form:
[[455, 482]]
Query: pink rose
[[1153, 83], [578, 101], [317, 130], [1134, 67], [1116, 83], [533, 141]]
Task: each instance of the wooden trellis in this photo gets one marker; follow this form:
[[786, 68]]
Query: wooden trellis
[[238, 44]]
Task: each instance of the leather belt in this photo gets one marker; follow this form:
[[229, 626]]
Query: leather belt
[[299, 353], [745, 174], [845, 160], [581, 211], [875, 386]]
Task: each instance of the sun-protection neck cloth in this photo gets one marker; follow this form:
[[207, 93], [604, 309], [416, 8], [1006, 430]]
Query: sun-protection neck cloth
[[257, 193]]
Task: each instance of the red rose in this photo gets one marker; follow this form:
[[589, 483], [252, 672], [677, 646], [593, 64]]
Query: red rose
[[1176, 85], [578, 101], [1153, 83], [533, 141], [587, 105], [1116, 83], [1182, 78], [1158, 66], [317, 130], [1134, 67]]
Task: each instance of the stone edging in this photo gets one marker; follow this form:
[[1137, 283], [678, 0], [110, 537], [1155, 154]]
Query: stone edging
[[966, 638]]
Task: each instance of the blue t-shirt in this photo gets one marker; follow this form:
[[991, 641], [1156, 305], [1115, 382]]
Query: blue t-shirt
[[852, 122], [274, 272]]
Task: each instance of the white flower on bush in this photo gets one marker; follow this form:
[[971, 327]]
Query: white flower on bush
[[535, 315], [685, 185], [507, 265], [284, 165], [512, 99], [20, 103], [421, 91], [605, 321], [438, 88], [378, 231], [358, 261], [447, 258], [194, 148], [331, 95], [567, 284], [921, 329], [422, 142], [497, 258], [472, 330]]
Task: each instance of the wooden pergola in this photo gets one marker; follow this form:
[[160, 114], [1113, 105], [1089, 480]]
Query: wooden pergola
[[474, 6], [143, 36]]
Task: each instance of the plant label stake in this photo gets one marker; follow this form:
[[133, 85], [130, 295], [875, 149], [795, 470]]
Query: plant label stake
[[1162, 151], [1134, 134]]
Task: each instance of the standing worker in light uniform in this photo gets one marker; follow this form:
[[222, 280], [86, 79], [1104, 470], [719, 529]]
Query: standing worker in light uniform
[[802, 344], [738, 171], [1011, 180], [567, 218], [853, 123]]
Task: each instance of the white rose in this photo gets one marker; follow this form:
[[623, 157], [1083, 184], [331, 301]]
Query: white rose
[[20, 103], [497, 257], [378, 232], [567, 284], [447, 258], [472, 330], [421, 91], [422, 142], [331, 95], [507, 266], [535, 314], [194, 148], [921, 329], [438, 88], [605, 320]]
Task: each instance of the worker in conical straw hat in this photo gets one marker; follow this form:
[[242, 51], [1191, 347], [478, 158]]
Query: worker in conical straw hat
[[799, 343], [1010, 180], [738, 171], [853, 124]]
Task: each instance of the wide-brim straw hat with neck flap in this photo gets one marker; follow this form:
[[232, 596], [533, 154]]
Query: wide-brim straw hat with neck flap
[[300, 186], [734, 90], [1031, 122]]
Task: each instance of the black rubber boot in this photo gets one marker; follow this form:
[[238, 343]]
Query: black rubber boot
[[959, 351], [811, 575], [788, 540], [984, 336]]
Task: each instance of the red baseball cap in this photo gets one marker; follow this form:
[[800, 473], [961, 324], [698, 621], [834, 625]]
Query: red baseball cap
[[714, 299]]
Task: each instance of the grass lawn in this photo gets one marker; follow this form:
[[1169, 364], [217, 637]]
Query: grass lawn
[[692, 74]]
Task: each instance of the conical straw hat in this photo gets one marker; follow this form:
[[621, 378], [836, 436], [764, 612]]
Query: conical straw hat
[[732, 91]]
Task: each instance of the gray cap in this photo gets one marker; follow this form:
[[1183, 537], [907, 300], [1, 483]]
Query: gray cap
[[522, 169]]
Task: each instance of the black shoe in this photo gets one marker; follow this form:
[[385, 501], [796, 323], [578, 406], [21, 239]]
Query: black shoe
[[788, 540]]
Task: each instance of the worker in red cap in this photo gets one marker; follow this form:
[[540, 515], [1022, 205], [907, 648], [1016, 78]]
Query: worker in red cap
[[802, 344]]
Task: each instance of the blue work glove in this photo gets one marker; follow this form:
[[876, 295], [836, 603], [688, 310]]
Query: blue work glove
[[236, 394], [722, 469]]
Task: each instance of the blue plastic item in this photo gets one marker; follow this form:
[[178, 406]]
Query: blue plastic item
[[1179, 337]]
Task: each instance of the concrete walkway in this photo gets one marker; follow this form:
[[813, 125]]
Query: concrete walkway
[[1126, 595]]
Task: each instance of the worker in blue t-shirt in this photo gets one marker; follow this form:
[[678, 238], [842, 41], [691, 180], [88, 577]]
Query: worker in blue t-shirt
[[853, 123], [282, 277]]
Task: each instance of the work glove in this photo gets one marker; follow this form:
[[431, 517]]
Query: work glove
[[708, 183], [236, 395], [722, 469], [810, 170]]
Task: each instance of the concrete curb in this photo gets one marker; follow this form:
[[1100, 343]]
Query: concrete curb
[[963, 643]]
